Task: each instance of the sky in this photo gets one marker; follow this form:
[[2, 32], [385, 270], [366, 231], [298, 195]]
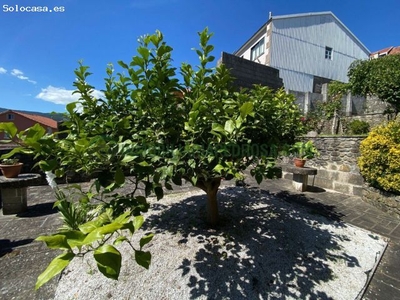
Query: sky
[[39, 51]]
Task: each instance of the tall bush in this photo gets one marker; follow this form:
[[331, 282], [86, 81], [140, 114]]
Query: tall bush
[[379, 161]]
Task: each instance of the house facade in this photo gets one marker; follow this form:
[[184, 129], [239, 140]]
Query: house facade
[[386, 51], [23, 121], [308, 49]]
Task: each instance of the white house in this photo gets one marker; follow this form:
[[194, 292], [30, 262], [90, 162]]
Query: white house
[[309, 49]]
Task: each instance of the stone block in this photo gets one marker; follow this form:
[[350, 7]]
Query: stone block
[[344, 168], [327, 174], [342, 188], [354, 179], [286, 175], [14, 200], [323, 183], [358, 191], [332, 167], [300, 182]]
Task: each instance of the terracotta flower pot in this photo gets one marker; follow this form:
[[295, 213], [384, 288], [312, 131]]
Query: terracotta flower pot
[[11, 171], [298, 162]]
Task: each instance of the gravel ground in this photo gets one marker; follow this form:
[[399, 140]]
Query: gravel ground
[[264, 248]]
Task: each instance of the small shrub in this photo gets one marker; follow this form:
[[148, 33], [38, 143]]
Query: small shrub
[[380, 157], [358, 127]]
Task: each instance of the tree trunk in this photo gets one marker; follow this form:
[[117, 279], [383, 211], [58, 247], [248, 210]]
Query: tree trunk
[[212, 208], [211, 186]]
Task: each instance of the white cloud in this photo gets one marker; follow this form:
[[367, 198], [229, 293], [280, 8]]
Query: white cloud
[[16, 72], [2, 70], [59, 95], [20, 75]]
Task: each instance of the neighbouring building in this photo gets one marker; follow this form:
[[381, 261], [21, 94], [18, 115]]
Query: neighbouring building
[[308, 49], [23, 121], [383, 52]]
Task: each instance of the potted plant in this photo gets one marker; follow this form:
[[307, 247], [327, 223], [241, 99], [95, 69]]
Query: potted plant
[[303, 151], [11, 167]]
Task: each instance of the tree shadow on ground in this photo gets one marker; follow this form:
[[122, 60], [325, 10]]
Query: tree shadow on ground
[[264, 248], [38, 210], [7, 246], [313, 207]]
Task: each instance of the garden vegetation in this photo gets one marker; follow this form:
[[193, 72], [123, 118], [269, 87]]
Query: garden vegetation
[[151, 131]]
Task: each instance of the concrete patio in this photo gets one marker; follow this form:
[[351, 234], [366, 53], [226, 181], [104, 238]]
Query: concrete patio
[[22, 259]]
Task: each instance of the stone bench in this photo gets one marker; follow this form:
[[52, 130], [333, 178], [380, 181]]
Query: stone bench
[[14, 192], [300, 176]]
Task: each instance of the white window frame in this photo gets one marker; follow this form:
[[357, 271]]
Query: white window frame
[[257, 50], [328, 53], [10, 116]]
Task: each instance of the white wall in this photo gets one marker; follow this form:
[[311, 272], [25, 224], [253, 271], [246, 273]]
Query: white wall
[[298, 44]]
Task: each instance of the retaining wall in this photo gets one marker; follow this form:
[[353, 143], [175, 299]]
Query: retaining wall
[[337, 165]]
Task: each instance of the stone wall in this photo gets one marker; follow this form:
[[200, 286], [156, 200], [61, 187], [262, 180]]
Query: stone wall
[[337, 165]]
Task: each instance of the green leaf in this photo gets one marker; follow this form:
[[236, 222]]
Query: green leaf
[[177, 180], [159, 192], [259, 178], [138, 222], [188, 127], [144, 52], [122, 64], [55, 241], [144, 164], [99, 233], [192, 163], [219, 168], [193, 117], [229, 126], [89, 226], [119, 240], [71, 107], [48, 165], [146, 239], [55, 267], [74, 238], [168, 186], [9, 128], [35, 132], [128, 158], [246, 109], [215, 127], [143, 258], [123, 218], [119, 177], [108, 260], [11, 153]]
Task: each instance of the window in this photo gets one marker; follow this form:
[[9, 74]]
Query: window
[[328, 53], [6, 136], [10, 117], [257, 50]]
